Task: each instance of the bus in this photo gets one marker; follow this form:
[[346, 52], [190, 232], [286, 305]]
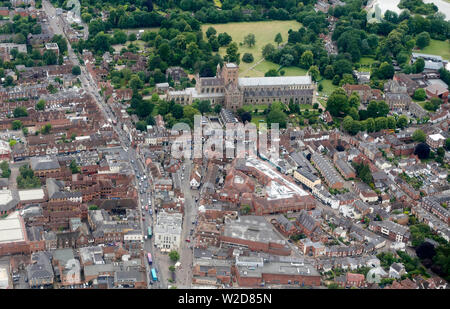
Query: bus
[[154, 277], [149, 232], [149, 258]]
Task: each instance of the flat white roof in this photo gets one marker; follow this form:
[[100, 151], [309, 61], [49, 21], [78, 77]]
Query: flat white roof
[[33, 194], [5, 197], [283, 188], [11, 229], [275, 81], [436, 137]]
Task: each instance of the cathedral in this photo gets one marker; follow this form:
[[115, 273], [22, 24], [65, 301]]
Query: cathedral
[[232, 91]]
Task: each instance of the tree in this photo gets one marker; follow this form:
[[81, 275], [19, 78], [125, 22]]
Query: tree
[[20, 112], [354, 100], [224, 39], [46, 128], [286, 60], [422, 150], [16, 125], [278, 39], [101, 42], [49, 57], [314, 72], [6, 171], [386, 71], [76, 70], [247, 58], [177, 111], [419, 136], [86, 17], [346, 79], [347, 123], [74, 167], [277, 116], [204, 106], [337, 103], [40, 105], [189, 112], [363, 172], [174, 256], [210, 32], [245, 209], [119, 37], [26, 179], [423, 39], [402, 121], [353, 112], [217, 108], [232, 54], [370, 125], [420, 94], [135, 82], [9, 81], [268, 50], [381, 123], [419, 65], [329, 72], [306, 60], [246, 117], [250, 40], [132, 37], [440, 152], [391, 123], [141, 126], [271, 72]]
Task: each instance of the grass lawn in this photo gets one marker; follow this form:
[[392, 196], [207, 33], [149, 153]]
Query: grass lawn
[[251, 108], [139, 43], [294, 71], [264, 31], [441, 48], [256, 120], [136, 30], [366, 61], [328, 87], [266, 66], [305, 106]]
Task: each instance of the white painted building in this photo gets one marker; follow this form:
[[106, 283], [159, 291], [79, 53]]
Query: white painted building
[[167, 231]]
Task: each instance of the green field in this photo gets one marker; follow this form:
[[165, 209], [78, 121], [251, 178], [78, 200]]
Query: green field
[[328, 87], [264, 31], [251, 108], [139, 43], [441, 48], [294, 71], [256, 120], [366, 61], [136, 30]]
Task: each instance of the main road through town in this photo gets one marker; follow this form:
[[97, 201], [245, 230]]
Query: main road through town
[[58, 24]]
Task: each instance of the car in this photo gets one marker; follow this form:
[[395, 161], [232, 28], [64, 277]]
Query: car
[[188, 240], [143, 218]]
